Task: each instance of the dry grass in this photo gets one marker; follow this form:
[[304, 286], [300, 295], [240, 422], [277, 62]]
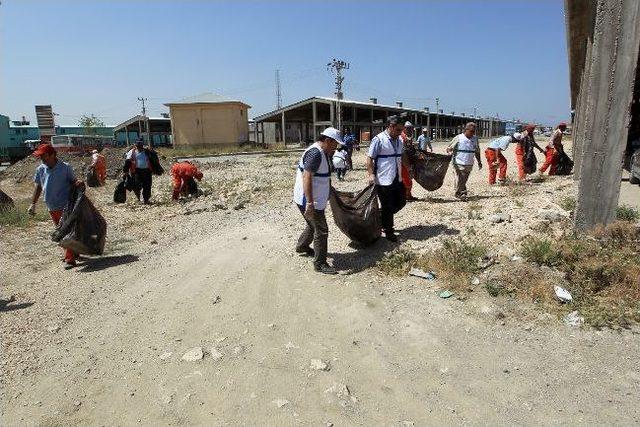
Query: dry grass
[[17, 215], [455, 262], [602, 273]]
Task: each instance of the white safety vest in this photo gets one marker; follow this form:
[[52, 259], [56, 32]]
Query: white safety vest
[[339, 160], [389, 159], [465, 150], [321, 182]]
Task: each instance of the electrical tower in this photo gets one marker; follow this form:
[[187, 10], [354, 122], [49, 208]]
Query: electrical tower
[[278, 91], [335, 67]]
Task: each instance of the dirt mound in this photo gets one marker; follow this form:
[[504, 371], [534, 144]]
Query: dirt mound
[[24, 169]]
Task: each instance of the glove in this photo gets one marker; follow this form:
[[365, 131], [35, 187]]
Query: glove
[[32, 209]]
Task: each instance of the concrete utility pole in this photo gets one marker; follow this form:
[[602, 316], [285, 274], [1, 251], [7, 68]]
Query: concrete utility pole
[[278, 91], [335, 67], [146, 120], [437, 117]]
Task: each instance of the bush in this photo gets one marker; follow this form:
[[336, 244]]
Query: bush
[[627, 213], [540, 251], [17, 216], [568, 204], [397, 262]]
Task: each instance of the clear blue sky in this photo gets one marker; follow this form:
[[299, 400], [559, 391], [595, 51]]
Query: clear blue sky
[[505, 57]]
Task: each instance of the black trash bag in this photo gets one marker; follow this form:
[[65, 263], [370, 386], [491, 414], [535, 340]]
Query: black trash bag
[[91, 178], [530, 161], [190, 187], [6, 202], [81, 228], [131, 183], [565, 164], [429, 169], [155, 166], [357, 214], [120, 193]]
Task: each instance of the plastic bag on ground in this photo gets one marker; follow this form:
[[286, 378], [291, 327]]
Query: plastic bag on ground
[[6, 202], [81, 228], [357, 214], [91, 179], [429, 169]]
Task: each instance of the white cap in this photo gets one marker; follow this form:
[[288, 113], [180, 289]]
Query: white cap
[[425, 129], [408, 124], [518, 136], [333, 133], [94, 152]]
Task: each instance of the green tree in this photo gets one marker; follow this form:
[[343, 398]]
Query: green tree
[[89, 123]]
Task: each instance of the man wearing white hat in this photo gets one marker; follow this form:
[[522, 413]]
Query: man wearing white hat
[[311, 193], [424, 142], [384, 168], [494, 156]]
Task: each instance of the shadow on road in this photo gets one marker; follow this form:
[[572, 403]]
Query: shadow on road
[[5, 304], [366, 257], [97, 264], [424, 232]]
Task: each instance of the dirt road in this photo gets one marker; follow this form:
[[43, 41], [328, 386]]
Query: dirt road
[[103, 344]]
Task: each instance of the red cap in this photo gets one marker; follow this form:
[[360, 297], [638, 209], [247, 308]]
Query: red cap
[[562, 125], [44, 149], [199, 175]]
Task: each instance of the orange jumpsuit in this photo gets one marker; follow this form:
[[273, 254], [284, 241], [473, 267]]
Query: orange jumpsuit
[[181, 172], [551, 154], [406, 175], [520, 161], [69, 255], [100, 166], [493, 156]]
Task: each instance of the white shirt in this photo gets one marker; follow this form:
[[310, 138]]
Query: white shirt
[[387, 155], [501, 143], [466, 149]]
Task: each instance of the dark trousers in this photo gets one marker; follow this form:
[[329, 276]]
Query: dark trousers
[[349, 158], [340, 173], [144, 178], [392, 199], [317, 232]]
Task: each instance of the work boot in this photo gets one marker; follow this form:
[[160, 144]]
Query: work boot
[[306, 251], [325, 268], [391, 236]]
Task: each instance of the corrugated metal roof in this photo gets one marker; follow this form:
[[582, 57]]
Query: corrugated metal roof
[[206, 98]]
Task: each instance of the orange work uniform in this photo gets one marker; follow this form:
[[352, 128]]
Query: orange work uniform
[[493, 156], [552, 153], [100, 167], [406, 175], [181, 172]]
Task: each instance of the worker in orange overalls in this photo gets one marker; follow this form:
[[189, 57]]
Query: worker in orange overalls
[[407, 173], [527, 143], [99, 165], [553, 150], [182, 173]]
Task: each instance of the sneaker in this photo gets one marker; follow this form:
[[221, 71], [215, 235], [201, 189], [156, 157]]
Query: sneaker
[[70, 263], [391, 236], [306, 251], [325, 268]]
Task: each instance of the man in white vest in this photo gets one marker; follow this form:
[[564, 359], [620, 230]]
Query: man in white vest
[[464, 148], [384, 162], [311, 193]]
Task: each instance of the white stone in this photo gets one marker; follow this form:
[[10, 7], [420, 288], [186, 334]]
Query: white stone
[[319, 365], [193, 355]]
